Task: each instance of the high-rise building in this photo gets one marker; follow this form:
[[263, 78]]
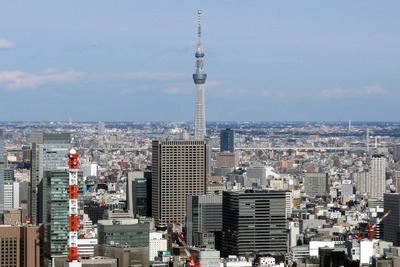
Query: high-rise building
[[101, 128], [49, 152], [136, 193], [199, 79], [1, 176], [316, 184], [391, 224], [11, 195], [21, 246], [396, 152], [376, 185], [178, 171], [253, 220], [204, 215], [227, 140], [54, 202]]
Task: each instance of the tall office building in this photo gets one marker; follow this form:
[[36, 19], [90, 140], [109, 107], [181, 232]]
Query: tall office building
[[101, 128], [391, 224], [178, 171], [253, 220], [21, 246], [136, 193], [227, 140], [204, 216], [199, 79], [2, 157], [396, 152], [49, 152], [376, 185], [316, 184], [54, 200]]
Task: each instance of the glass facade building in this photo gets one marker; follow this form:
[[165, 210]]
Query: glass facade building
[[49, 152], [55, 201], [204, 215], [227, 140], [132, 234], [253, 221]]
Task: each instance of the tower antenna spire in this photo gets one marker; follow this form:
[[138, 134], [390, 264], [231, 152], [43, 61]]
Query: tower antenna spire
[[199, 27], [199, 79]]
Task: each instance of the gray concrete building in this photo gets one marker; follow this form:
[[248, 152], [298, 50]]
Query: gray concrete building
[[316, 184]]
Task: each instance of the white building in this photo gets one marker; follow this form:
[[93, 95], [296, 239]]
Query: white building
[[11, 196], [376, 185], [157, 243], [89, 169]]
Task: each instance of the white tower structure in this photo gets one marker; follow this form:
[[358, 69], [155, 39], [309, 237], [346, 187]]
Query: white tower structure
[[73, 164], [199, 79]]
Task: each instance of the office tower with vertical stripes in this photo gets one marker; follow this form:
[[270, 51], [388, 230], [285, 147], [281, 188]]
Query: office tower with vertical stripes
[[199, 79], [179, 170]]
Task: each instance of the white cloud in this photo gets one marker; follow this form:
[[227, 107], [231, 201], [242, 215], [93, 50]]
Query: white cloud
[[268, 93], [15, 80], [173, 90], [6, 44], [141, 75], [349, 93]]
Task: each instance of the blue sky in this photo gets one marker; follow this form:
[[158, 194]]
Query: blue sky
[[265, 60]]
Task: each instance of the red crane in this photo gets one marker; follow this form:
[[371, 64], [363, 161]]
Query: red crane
[[192, 261], [371, 229]]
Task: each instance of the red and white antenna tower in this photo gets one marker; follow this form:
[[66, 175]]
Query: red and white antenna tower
[[73, 164]]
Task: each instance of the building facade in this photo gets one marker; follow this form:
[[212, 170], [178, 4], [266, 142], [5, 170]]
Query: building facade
[[376, 185], [253, 220], [204, 215], [2, 157], [49, 152], [178, 171], [316, 184], [54, 201], [227, 140], [391, 224], [21, 246]]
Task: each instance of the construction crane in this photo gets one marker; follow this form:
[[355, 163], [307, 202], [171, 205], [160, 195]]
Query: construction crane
[[370, 230], [191, 257]]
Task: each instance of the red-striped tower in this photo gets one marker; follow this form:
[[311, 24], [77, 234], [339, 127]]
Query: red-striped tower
[[73, 164]]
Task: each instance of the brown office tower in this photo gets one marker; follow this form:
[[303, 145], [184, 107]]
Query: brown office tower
[[21, 246], [179, 170]]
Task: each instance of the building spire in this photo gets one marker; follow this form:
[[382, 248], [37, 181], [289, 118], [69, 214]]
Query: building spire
[[199, 79]]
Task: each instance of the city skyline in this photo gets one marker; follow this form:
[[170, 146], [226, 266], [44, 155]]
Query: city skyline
[[266, 61]]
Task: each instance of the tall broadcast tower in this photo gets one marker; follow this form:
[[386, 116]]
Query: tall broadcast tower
[[199, 79]]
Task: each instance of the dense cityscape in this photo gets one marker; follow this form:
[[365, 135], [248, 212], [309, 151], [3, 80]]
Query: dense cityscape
[[198, 193], [251, 194]]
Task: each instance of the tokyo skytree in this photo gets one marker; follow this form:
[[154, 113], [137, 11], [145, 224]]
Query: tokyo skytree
[[199, 79]]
